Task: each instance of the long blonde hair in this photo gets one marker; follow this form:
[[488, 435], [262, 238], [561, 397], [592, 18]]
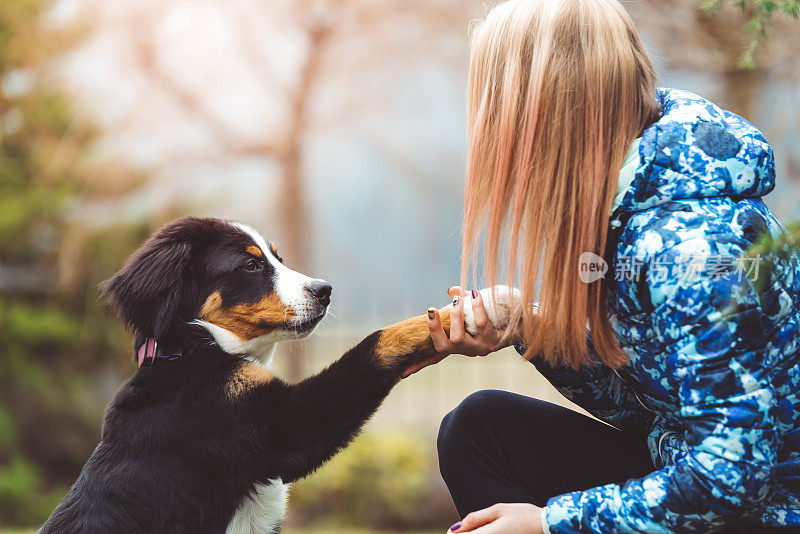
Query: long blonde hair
[[558, 90]]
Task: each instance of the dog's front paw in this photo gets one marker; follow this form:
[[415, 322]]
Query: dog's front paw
[[499, 302]]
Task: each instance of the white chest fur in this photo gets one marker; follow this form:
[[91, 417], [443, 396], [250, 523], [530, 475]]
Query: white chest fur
[[262, 511]]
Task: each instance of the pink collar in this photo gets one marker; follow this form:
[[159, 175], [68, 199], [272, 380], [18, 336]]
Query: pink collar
[[151, 351], [147, 351]]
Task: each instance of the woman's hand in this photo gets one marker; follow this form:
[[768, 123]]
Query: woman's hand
[[487, 339], [502, 519]]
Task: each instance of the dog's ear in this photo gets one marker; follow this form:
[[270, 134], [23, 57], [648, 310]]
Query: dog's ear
[[156, 284]]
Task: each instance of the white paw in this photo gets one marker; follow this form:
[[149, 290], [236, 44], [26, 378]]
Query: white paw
[[499, 302]]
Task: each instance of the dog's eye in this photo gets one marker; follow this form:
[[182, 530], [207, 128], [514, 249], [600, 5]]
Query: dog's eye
[[252, 265]]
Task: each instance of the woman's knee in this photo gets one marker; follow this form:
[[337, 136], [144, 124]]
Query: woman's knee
[[490, 415], [472, 409], [460, 426]]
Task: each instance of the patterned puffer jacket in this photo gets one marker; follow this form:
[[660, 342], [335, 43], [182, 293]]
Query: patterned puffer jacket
[[713, 338]]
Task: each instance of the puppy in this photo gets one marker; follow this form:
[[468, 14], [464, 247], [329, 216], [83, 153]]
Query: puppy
[[203, 438]]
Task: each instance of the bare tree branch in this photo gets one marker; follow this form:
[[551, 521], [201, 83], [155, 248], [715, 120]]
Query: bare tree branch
[[190, 101]]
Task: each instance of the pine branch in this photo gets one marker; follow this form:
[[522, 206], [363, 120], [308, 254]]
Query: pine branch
[[760, 12]]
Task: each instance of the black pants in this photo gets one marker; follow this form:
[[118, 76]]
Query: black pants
[[498, 447]]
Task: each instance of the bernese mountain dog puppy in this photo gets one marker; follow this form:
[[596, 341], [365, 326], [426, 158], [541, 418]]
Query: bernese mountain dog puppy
[[203, 438]]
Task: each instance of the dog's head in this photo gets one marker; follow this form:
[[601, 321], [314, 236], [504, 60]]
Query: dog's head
[[219, 274]]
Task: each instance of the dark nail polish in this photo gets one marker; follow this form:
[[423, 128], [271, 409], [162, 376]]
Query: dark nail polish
[[430, 314], [455, 527], [455, 302], [474, 294]]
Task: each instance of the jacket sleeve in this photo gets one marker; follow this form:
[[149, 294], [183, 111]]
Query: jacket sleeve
[[716, 353], [598, 390]]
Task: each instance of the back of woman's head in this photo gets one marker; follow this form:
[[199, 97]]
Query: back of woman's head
[[558, 90]]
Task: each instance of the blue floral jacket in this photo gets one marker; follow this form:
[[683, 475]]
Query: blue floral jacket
[[713, 339]]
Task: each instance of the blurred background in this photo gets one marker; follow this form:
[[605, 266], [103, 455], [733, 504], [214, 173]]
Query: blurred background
[[335, 127]]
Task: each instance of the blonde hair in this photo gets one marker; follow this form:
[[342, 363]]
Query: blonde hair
[[558, 90]]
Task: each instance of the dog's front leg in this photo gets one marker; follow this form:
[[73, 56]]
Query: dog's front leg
[[305, 424], [318, 416]]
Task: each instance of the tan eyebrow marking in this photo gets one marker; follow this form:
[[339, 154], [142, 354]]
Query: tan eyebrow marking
[[273, 248], [255, 251]]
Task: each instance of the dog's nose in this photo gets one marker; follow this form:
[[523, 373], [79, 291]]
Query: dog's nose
[[320, 291]]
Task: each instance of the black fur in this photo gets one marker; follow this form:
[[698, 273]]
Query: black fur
[[178, 453]]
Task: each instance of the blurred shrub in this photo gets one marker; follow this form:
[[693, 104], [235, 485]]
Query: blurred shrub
[[382, 481], [21, 501], [59, 348], [760, 14], [774, 253]]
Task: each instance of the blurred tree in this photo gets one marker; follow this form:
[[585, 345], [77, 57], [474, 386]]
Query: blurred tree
[[326, 39], [743, 42], [717, 37], [284, 145], [759, 15], [285, 148], [54, 340]]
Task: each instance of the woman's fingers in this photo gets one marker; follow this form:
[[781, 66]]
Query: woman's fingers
[[491, 528], [477, 519], [459, 341], [520, 518], [491, 335], [457, 318], [479, 311], [454, 291], [485, 327], [440, 340]]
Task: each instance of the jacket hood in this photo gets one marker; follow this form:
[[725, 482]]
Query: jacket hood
[[697, 150]]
